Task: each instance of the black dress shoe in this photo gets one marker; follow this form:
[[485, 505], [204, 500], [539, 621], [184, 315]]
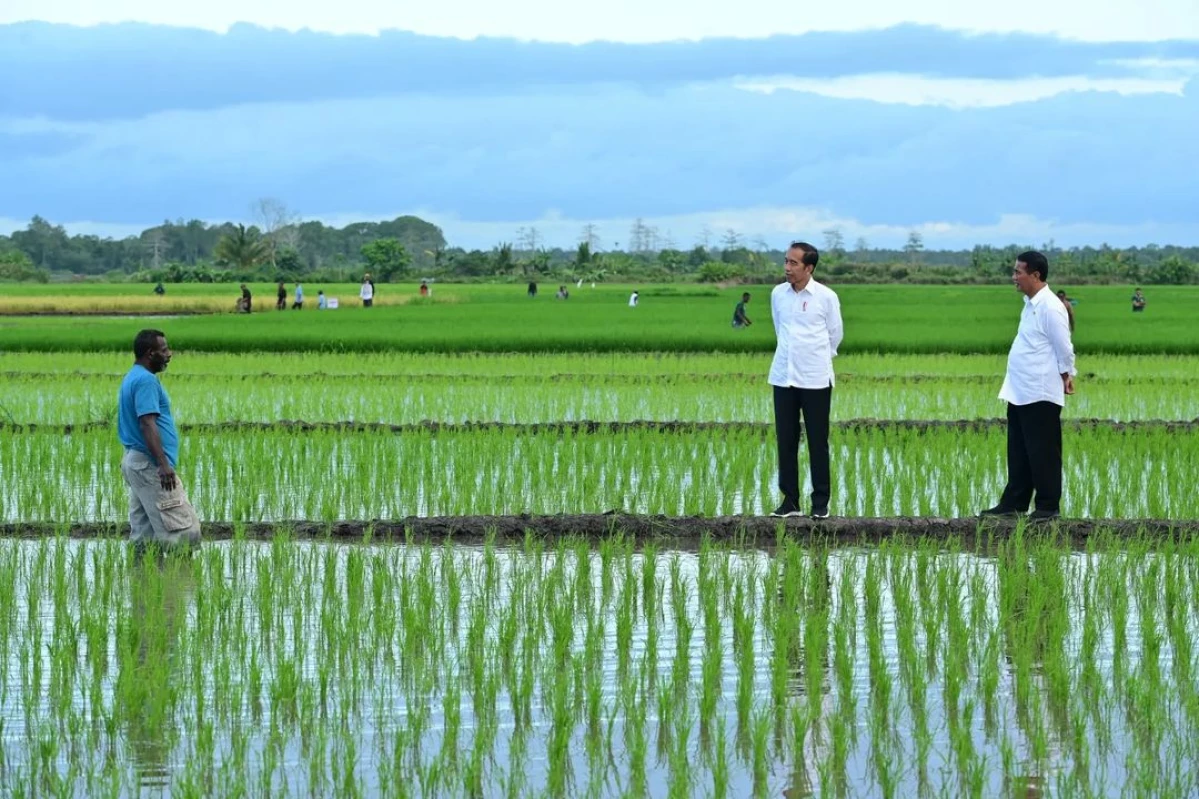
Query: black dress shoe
[[1043, 515], [788, 510], [999, 512]]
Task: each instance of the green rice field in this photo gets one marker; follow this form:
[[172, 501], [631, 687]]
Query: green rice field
[[1018, 661]]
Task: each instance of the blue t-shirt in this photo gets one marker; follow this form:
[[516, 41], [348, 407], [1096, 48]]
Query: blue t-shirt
[[142, 393]]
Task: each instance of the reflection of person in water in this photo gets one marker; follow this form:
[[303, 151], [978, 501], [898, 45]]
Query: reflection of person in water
[[816, 604], [146, 695]]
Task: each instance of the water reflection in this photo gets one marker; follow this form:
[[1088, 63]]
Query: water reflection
[[162, 588]]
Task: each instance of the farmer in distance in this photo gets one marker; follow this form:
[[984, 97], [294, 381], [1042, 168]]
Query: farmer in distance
[[1040, 373], [739, 317], [159, 511]]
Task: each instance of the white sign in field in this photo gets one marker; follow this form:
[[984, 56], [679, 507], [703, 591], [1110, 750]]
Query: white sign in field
[[332, 303]]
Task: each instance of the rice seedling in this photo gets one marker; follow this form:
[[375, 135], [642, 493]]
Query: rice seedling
[[307, 667], [336, 475]]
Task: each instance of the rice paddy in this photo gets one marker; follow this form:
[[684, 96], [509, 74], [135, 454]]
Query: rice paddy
[[574, 669], [1001, 661]]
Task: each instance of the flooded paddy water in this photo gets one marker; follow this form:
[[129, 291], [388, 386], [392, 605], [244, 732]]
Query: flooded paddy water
[[608, 668]]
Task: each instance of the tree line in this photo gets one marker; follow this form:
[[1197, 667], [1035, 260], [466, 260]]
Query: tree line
[[281, 246]]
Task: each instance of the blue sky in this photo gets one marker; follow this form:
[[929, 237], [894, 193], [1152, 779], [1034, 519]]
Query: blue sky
[[979, 135]]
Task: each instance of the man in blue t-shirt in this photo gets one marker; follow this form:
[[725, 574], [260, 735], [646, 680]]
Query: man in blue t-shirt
[[159, 510]]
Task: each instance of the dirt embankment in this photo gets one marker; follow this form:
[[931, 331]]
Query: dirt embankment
[[592, 427], [680, 531]]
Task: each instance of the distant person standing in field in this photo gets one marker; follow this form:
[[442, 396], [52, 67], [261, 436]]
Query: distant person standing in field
[[159, 510], [160, 289], [633, 300], [807, 324], [244, 302], [367, 292], [532, 289], [321, 302], [298, 305], [1040, 371], [424, 289], [739, 317], [1138, 301], [281, 297], [1061, 295]]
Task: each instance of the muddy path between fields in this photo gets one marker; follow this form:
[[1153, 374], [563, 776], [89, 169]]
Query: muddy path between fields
[[598, 427], [683, 532]]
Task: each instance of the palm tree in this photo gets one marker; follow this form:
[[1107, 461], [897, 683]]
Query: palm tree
[[243, 249]]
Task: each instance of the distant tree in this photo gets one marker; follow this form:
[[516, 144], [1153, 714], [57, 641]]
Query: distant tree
[[528, 239], [697, 257], [288, 265], [275, 219], [915, 246], [243, 248], [731, 240], [16, 266], [1173, 270], [386, 258], [501, 259], [861, 247], [672, 260], [590, 236], [834, 242], [583, 254]]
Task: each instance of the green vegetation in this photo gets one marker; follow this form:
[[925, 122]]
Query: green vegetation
[[405, 389], [567, 669], [610, 667], [194, 251], [327, 475], [502, 319]]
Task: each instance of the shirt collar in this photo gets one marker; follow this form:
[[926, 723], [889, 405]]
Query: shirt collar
[[1040, 296]]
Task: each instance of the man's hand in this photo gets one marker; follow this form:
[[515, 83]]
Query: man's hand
[[1068, 383], [166, 476]]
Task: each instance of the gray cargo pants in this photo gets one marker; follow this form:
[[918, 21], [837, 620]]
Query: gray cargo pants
[[157, 515]]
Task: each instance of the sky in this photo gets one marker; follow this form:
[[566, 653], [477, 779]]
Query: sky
[[1006, 123], [637, 20]]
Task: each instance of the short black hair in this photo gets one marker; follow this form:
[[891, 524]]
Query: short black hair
[[145, 341], [745, 295], [811, 256], [1034, 262]]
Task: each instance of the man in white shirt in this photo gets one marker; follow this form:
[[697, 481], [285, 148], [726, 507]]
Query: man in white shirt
[[633, 300], [367, 292], [1040, 370], [807, 324]]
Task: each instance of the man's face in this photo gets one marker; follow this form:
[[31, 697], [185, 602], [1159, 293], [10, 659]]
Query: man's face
[[1021, 278], [794, 267], [159, 356]]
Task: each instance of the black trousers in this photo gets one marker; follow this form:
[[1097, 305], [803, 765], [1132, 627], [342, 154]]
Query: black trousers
[[1034, 456], [814, 404]]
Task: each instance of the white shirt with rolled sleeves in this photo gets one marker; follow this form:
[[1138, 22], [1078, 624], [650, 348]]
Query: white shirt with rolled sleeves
[[1041, 353], [807, 324]]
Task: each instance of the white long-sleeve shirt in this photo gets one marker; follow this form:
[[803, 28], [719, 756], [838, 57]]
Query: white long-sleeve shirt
[[367, 292], [808, 327], [1041, 353]]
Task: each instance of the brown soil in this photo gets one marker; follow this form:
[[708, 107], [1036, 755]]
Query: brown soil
[[685, 531], [591, 427]]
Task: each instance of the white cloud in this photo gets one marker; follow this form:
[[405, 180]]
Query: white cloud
[[773, 225], [956, 92], [637, 20]]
